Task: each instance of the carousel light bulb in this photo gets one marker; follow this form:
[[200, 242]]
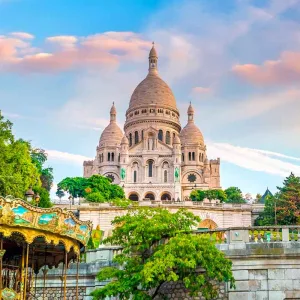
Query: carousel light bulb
[[37, 198]]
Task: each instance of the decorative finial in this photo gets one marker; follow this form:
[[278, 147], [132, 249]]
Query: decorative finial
[[153, 44]]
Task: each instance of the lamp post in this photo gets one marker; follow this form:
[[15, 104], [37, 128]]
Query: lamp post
[[71, 199], [29, 194]]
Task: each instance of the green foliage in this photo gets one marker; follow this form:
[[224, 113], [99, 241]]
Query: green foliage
[[200, 195], [95, 188], [267, 217], [91, 244], [158, 247], [287, 201], [17, 171], [59, 193], [45, 200], [234, 195]]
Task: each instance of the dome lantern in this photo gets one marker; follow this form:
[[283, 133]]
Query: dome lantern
[[113, 113], [153, 58]]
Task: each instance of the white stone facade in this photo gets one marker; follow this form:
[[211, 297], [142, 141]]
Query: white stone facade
[[154, 159]]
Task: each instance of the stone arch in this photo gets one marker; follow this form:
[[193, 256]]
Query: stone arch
[[134, 196], [165, 196], [208, 223], [150, 195]]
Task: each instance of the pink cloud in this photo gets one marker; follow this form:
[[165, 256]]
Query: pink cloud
[[285, 69], [22, 35], [200, 90], [66, 52]]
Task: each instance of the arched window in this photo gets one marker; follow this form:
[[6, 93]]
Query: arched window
[[136, 137], [112, 156], [134, 176], [193, 155], [165, 176], [142, 134], [108, 156], [130, 139], [190, 156], [119, 158], [168, 138], [182, 157], [174, 136], [150, 168], [160, 135]]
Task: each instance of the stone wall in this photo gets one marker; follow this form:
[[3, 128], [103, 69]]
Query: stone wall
[[177, 291], [57, 293]]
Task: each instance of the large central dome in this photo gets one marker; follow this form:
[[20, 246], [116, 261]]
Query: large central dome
[[152, 91]]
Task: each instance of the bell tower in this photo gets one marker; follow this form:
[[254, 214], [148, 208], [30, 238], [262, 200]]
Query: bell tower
[[153, 58]]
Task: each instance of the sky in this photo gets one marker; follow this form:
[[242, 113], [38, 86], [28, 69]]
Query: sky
[[63, 63]]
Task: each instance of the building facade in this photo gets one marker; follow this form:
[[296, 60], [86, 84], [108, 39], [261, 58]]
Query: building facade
[[154, 158]]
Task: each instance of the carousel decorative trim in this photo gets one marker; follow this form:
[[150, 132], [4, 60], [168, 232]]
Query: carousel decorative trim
[[54, 224]]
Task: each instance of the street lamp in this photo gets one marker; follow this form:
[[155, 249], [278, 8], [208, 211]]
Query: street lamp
[[70, 199], [29, 194]]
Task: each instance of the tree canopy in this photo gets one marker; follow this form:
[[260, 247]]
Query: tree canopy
[[200, 195], [234, 195], [95, 188], [21, 166], [158, 247], [287, 201]]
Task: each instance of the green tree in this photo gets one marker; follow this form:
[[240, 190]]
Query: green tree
[[288, 201], [95, 188], [234, 195], [158, 247], [17, 171], [200, 195], [45, 200], [257, 197], [59, 193], [267, 217]]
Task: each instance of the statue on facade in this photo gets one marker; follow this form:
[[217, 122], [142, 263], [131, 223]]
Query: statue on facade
[[123, 173], [177, 174]]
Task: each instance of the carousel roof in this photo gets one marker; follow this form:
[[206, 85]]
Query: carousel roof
[[49, 232]]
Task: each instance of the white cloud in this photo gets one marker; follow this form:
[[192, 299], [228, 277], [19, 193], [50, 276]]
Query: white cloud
[[254, 159], [66, 157]]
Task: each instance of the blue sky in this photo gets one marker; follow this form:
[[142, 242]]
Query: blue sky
[[63, 63]]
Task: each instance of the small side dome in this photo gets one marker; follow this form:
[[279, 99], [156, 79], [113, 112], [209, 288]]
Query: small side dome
[[124, 140], [176, 140], [111, 135], [191, 134]]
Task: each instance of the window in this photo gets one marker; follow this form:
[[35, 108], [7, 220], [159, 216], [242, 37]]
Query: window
[[136, 112], [108, 156], [182, 157], [193, 155], [134, 176], [119, 158], [152, 110], [167, 112], [112, 156], [160, 111], [190, 156], [165, 176], [160, 135], [130, 139], [136, 137], [168, 138], [150, 168], [174, 136], [142, 134], [144, 111]]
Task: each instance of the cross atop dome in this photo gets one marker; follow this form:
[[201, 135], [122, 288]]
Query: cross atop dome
[[153, 60]]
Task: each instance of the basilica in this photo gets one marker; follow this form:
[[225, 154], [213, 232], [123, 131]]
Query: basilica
[[154, 159]]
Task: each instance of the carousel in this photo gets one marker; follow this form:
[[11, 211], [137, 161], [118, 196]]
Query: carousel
[[34, 240]]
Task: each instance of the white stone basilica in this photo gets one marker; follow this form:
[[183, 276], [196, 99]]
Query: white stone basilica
[[154, 159]]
